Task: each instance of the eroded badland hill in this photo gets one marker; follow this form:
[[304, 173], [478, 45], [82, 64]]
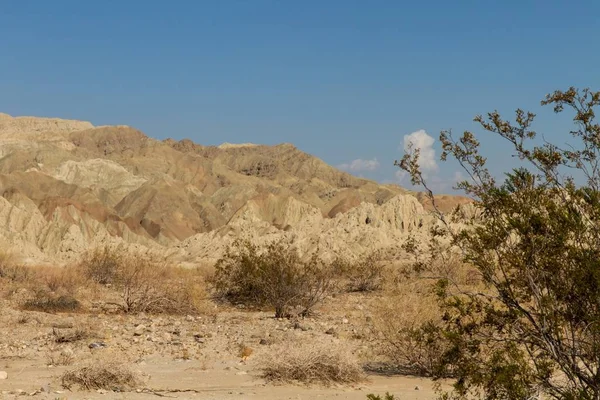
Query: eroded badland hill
[[67, 186]]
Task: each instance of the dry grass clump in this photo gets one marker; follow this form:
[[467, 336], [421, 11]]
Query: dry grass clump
[[58, 357], [312, 364], [101, 375]]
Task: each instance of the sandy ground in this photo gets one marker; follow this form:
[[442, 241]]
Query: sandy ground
[[188, 380], [186, 357]]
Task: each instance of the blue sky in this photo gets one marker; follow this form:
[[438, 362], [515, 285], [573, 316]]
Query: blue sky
[[343, 80]]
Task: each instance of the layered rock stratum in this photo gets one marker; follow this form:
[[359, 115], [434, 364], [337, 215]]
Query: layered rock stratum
[[67, 186]]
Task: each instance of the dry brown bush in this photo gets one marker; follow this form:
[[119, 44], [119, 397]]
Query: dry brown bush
[[64, 280], [11, 270], [149, 286], [101, 375], [407, 321], [311, 364], [50, 289], [408, 335], [145, 284], [101, 265], [366, 274]]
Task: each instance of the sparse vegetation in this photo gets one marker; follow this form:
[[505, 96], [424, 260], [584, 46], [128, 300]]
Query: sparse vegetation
[[145, 284], [59, 357], [387, 396], [102, 264], [312, 364], [11, 270], [273, 276], [363, 275], [101, 375], [71, 335], [407, 331], [46, 301]]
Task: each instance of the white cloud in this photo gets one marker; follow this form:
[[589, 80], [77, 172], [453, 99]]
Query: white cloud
[[360, 165], [438, 183], [422, 141]]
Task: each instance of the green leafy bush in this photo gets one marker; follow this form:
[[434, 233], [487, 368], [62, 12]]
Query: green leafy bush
[[533, 328], [273, 276]]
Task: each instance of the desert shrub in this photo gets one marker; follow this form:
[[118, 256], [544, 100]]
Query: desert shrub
[[407, 331], [64, 280], [144, 284], [101, 265], [51, 302], [101, 375], [9, 269], [273, 276], [533, 328], [311, 364], [363, 275], [50, 289]]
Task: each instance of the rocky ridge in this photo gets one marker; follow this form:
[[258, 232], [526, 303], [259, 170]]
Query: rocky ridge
[[66, 186]]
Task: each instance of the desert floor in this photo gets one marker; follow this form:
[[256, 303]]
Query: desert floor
[[186, 356]]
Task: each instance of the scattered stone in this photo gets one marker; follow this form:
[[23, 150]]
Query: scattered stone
[[301, 327], [97, 345], [139, 330], [241, 373], [345, 321], [263, 342], [417, 388], [199, 338], [3, 375], [330, 331]]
